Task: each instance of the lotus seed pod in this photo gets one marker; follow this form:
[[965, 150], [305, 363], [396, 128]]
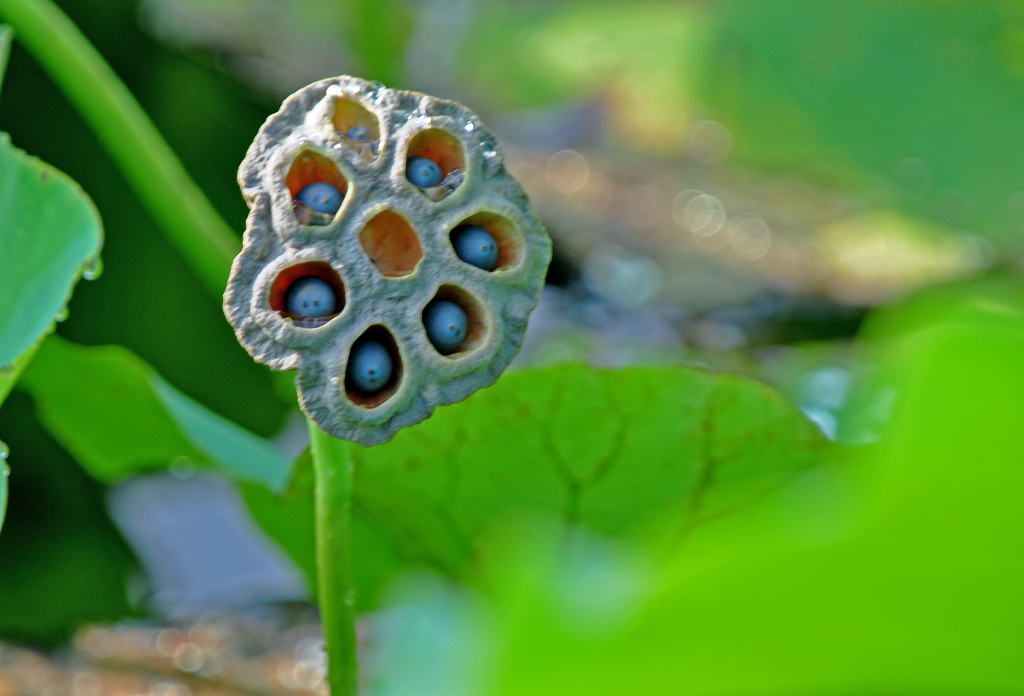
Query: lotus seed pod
[[382, 257]]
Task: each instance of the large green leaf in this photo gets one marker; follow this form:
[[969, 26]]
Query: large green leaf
[[51, 233], [611, 450], [117, 416], [900, 574]]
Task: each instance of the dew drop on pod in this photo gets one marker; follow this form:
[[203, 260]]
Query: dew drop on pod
[[388, 256]]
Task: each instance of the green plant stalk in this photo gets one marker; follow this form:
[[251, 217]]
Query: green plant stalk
[[332, 465], [147, 162]]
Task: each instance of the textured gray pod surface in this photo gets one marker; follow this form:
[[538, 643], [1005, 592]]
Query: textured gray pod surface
[[385, 254]]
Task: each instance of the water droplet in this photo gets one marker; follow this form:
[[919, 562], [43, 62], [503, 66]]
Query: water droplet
[[490, 152], [62, 314], [93, 269], [4, 451], [470, 126]]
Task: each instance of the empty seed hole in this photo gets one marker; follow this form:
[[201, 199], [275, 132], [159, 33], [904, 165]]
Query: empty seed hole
[[372, 355], [314, 170], [505, 234], [476, 325], [444, 150], [310, 294], [391, 244], [358, 127]]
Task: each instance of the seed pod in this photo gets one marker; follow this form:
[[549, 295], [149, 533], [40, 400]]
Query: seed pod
[[386, 253]]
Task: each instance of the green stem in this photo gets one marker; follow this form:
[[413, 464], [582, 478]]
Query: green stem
[[148, 163], [332, 464]]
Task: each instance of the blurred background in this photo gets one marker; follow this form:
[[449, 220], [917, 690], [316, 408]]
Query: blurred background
[[732, 184]]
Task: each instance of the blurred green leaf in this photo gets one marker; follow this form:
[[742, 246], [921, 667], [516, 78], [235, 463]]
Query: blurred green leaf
[[610, 450], [852, 92], [642, 57], [898, 574], [118, 417]]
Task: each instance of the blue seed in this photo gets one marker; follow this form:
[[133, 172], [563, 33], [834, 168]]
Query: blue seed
[[358, 134], [310, 296], [446, 325], [423, 172], [369, 367], [475, 245], [321, 197]]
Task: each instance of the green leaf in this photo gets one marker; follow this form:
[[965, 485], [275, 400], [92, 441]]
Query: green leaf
[[53, 231], [898, 574], [797, 97], [611, 450], [118, 417]]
